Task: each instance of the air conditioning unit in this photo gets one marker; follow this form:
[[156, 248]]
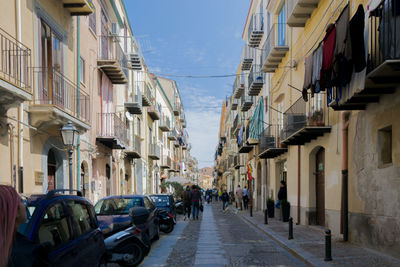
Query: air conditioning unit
[[115, 29]]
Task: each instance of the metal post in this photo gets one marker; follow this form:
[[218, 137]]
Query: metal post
[[266, 216], [70, 167], [328, 246], [290, 228]]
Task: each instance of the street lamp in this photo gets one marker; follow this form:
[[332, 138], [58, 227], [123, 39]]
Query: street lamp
[[69, 136]]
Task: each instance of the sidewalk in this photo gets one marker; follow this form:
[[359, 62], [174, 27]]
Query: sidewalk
[[308, 244]]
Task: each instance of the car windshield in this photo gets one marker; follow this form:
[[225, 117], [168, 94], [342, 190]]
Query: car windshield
[[116, 206], [29, 212], [160, 201]]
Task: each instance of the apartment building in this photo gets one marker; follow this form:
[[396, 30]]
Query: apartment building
[[332, 136], [78, 61]]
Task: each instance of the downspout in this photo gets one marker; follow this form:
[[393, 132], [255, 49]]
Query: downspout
[[345, 198], [298, 183], [12, 167], [20, 115], [78, 104]]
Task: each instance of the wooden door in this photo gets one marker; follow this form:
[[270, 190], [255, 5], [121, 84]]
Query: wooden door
[[320, 186]]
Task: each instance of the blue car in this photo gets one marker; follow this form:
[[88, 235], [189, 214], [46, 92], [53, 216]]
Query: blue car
[[66, 226], [113, 215]]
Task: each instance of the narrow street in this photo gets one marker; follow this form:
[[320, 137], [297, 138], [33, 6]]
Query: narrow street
[[217, 239]]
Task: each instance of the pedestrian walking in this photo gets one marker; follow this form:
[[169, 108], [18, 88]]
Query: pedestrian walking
[[15, 248], [219, 194], [245, 198], [239, 197], [196, 202], [187, 202], [216, 195], [282, 194], [225, 200]]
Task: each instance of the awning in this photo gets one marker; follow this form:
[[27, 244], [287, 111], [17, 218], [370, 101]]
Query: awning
[[257, 123]]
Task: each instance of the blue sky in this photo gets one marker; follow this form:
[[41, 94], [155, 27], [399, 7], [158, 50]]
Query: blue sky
[[187, 37]]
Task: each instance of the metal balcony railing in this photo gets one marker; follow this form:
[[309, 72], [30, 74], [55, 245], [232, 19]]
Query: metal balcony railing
[[248, 55], [275, 47], [255, 30], [269, 138], [15, 62], [238, 86], [255, 80], [55, 89], [294, 118], [109, 125], [164, 123], [154, 151], [246, 101], [111, 50]]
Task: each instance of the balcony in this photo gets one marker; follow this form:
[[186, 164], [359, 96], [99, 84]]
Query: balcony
[[164, 124], [244, 146], [383, 64], [176, 144], [154, 151], [112, 60], [111, 131], [238, 86], [305, 121], [134, 150], [236, 126], [134, 102], [58, 101], [154, 112], [79, 7], [275, 47], [184, 124], [299, 11], [255, 80], [234, 104], [173, 135], [246, 102], [177, 107], [256, 30], [135, 62], [147, 94], [270, 146], [248, 55], [15, 72], [166, 162]]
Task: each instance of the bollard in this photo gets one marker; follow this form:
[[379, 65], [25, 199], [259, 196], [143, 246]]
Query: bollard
[[265, 216], [328, 246], [251, 211], [290, 228]]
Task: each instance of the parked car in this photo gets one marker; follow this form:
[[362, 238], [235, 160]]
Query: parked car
[[113, 215], [165, 202], [66, 226]]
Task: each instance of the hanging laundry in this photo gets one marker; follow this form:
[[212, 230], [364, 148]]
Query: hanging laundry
[[357, 39], [316, 71], [327, 57], [389, 29], [308, 67]]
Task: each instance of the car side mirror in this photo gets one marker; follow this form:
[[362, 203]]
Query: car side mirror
[[139, 215]]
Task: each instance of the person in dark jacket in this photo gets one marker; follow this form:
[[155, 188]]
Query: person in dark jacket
[[196, 202], [187, 202], [282, 194], [225, 199]]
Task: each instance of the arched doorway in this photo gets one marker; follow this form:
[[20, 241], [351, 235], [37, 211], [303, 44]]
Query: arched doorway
[[258, 188], [51, 170], [320, 186], [84, 179], [108, 180]]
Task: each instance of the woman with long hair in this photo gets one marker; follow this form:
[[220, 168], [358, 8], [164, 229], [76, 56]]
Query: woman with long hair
[[12, 215]]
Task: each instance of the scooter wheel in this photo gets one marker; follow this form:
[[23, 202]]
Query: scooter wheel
[[137, 253], [168, 229]]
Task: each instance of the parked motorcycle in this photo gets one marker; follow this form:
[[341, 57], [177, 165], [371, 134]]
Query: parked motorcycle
[[127, 247], [167, 221]]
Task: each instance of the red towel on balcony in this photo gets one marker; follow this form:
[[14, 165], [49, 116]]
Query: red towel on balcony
[[327, 56]]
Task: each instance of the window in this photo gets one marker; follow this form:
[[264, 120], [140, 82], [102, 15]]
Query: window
[[385, 146], [92, 18], [117, 206], [81, 221], [54, 227], [282, 26], [82, 70]]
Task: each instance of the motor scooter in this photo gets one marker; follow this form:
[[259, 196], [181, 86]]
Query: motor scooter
[[167, 221]]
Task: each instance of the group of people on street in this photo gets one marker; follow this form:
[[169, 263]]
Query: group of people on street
[[191, 202], [242, 198]]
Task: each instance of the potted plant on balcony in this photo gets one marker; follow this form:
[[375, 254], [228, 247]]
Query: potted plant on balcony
[[285, 206], [271, 207]]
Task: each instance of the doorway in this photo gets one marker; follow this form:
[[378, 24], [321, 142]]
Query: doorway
[[108, 180], [51, 170], [320, 186]]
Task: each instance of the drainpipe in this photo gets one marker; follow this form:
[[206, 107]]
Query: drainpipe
[[298, 184], [20, 114], [345, 198], [12, 166], [78, 77], [111, 175]]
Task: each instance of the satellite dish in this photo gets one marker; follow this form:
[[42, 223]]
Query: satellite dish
[[128, 116]]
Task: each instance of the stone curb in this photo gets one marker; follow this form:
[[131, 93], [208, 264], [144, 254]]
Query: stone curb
[[295, 250]]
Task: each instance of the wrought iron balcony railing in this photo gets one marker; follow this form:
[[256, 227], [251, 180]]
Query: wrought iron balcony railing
[[111, 130], [255, 30], [275, 47], [255, 80]]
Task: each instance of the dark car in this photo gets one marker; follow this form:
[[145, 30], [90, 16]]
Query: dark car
[[165, 202], [113, 215], [66, 226]]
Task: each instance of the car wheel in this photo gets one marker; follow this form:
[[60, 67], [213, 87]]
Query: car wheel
[[137, 254]]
